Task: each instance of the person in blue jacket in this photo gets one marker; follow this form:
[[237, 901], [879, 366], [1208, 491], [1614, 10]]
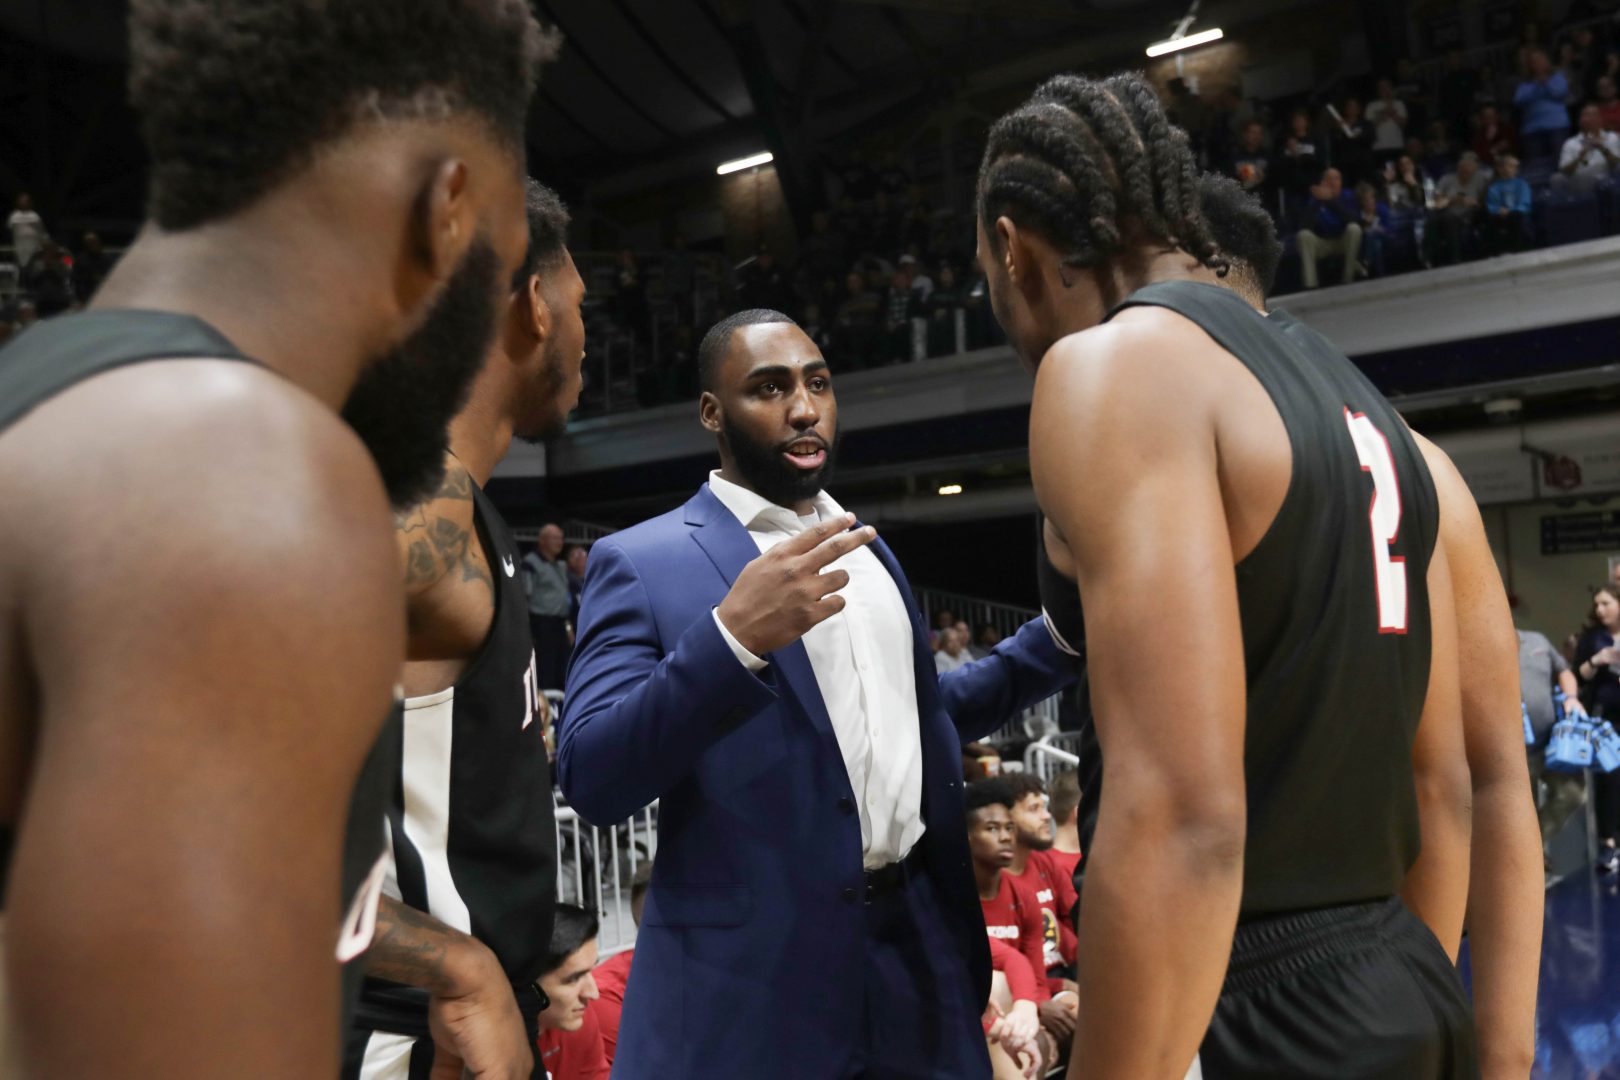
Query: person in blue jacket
[[1507, 209], [754, 660]]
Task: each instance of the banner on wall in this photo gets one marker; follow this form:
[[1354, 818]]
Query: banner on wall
[[1580, 533], [1552, 459]]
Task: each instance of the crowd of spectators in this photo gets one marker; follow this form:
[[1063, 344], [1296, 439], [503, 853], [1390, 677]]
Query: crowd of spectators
[[45, 278]]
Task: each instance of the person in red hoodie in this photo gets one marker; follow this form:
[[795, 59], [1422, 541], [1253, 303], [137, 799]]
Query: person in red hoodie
[[570, 1042], [1011, 912]]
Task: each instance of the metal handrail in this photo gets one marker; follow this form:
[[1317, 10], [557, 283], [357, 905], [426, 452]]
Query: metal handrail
[[1045, 758]]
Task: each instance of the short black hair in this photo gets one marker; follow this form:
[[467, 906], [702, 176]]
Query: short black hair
[[1083, 159], [994, 791], [1024, 784], [712, 350], [548, 232], [1242, 229], [571, 928], [237, 95]]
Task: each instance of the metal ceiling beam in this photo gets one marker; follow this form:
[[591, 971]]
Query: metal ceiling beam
[[572, 44], [651, 41], [814, 49], [1059, 11], [820, 14]]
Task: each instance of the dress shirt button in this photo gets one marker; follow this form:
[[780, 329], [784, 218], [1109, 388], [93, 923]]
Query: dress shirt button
[[849, 896], [846, 804]]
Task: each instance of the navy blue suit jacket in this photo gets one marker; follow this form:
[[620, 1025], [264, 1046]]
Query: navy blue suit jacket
[[749, 958]]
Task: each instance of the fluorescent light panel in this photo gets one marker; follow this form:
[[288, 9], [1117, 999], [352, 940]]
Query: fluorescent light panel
[[1203, 37], [745, 163], [951, 489]]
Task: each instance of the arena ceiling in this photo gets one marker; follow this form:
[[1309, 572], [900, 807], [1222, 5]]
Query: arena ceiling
[[638, 81]]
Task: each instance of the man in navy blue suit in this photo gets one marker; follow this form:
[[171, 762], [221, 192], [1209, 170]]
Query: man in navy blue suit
[[755, 661]]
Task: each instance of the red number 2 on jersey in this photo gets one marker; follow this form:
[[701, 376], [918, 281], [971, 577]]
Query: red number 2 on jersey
[[1389, 571]]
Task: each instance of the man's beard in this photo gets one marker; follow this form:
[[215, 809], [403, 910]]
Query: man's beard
[[1043, 842], [771, 477], [550, 383], [402, 405]]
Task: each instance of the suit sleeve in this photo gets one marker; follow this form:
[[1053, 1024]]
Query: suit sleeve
[[635, 718], [1022, 670], [1012, 963]]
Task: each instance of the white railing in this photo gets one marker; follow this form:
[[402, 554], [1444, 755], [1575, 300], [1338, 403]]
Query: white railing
[[596, 867], [1006, 618], [574, 532], [1052, 754]]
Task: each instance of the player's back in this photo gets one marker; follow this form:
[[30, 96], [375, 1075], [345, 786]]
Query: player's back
[[1335, 619], [179, 521]]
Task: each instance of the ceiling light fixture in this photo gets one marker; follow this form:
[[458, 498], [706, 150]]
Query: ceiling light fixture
[[951, 489], [1176, 44], [745, 163]]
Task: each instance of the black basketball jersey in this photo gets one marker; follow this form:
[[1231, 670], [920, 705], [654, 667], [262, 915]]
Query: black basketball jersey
[[472, 825], [1334, 609], [57, 354]]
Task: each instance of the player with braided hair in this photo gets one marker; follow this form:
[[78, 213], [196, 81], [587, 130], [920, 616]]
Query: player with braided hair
[[1256, 810]]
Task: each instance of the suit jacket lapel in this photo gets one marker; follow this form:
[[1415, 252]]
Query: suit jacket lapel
[[728, 545]]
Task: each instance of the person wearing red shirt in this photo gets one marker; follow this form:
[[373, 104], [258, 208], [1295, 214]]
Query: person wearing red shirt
[[570, 1042], [613, 974], [1033, 837], [1064, 802], [1011, 911]]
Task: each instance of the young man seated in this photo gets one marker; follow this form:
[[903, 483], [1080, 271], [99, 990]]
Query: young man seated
[[1034, 835], [1064, 803], [1012, 914], [570, 1043], [613, 974]]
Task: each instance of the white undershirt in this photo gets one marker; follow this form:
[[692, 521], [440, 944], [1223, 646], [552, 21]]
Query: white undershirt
[[865, 668]]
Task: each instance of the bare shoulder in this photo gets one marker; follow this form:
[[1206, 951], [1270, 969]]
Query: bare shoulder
[[1459, 513]]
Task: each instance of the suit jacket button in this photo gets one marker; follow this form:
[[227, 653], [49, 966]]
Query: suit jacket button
[[846, 804], [849, 896]]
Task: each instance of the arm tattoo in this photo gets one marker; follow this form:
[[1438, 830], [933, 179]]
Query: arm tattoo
[[438, 544], [411, 948]]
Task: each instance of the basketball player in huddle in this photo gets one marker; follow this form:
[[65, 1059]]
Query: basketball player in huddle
[[465, 921], [200, 617], [1493, 875], [1257, 812]]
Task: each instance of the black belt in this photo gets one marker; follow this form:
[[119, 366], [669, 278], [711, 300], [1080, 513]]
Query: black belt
[[888, 879]]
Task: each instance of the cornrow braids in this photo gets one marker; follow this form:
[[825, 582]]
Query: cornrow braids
[[1084, 156]]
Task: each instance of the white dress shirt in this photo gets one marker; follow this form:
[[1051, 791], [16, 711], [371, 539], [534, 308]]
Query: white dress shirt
[[865, 668]]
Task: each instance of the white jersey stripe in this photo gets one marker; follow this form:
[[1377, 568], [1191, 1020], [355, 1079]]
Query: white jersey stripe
[[428, 742], [388, 1057]]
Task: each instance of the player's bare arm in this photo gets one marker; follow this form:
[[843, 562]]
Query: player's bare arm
[[449, 587], [1505, 901], [188, 802], [1436, 886], [1129, 478]]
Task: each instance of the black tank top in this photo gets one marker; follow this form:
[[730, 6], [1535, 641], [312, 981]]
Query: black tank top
[[1335, 615], [472, 823], [56, 355]]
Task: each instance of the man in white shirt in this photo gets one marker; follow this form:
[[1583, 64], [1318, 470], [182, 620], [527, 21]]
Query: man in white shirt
[[952, 652], [761, 669], [1589, 156], [27, 230], [1387, 115]]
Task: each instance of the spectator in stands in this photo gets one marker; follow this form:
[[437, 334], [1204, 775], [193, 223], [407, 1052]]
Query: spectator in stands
[[922, 286], [49, 277], [823, 251], [1011, 912], [575, 559], [1251, 163], [856, 325], [1065, 807], [546, 579], [1573, 69], [90, 267], [613, 974], [1506, 224], [1374, 219], [1351, 139], [27, 230], [988, 637], [1543, 116], [952, 652], [940, 310], [975, 649], [570, 1042], [1608, 103], [1458, 86], [1589, 157], [816, 329], [630, 296], [1558, 795], [680, 278], [1435, 153], [1493, 136], [1597, 665], [766, 285], [27, 315], [1408, 188], [899, 305], [1389, 117], [1328, 226], [1300, 162], [943, 618], [1033, 837], [1458, 200]]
